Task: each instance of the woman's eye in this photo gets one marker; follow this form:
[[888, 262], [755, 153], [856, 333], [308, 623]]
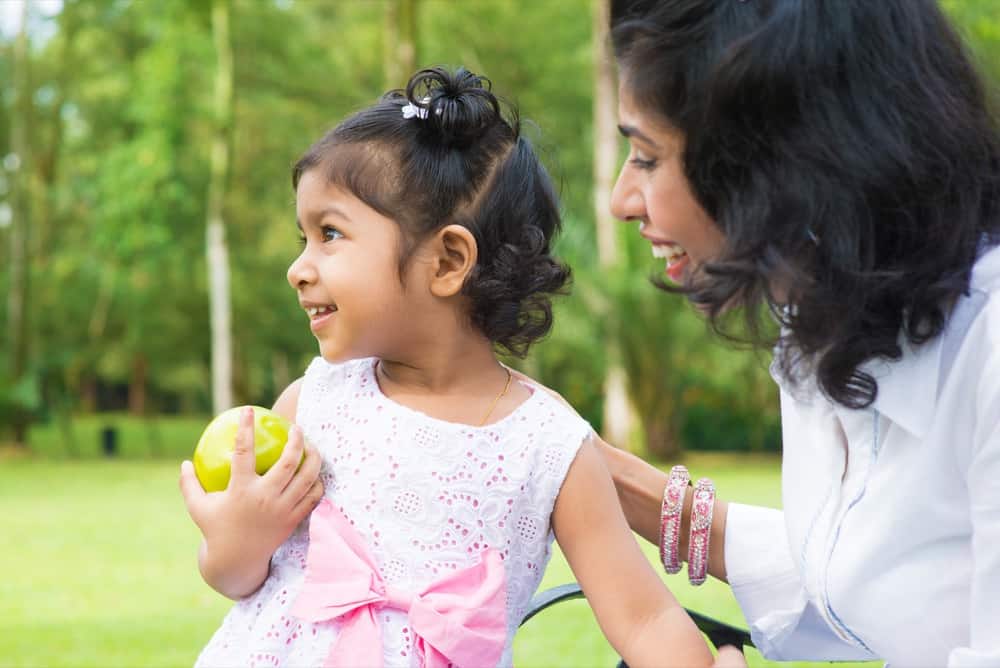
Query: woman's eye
[[642, 163], [331, 233]]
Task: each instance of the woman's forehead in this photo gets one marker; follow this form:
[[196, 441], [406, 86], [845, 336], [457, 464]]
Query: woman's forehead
[[638, 124]]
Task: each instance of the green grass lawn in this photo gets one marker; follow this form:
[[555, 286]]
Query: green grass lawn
[[100, 565]]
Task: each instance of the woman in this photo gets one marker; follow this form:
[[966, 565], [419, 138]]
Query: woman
[[835, 166]]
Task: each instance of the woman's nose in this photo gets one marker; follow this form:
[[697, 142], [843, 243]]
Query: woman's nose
[[301, 272], [626, 200]]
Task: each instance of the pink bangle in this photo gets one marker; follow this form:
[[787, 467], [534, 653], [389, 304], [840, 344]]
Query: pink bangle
[[670, 518], [701, 530]]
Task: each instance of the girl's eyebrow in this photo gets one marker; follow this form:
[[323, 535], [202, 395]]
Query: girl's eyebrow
[[630, 131], [331, 210]]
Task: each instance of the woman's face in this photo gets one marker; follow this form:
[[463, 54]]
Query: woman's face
[[652, 189]]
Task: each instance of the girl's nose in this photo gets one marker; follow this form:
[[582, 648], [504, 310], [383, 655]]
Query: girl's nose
[[301, 272], [626, 199]]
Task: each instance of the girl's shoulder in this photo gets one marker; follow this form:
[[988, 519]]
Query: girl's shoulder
[[324, 381], [550, 416], [321, 371]]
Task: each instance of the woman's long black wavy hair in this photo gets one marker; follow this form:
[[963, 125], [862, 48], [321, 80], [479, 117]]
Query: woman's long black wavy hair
[[847, 151], [456, 157]]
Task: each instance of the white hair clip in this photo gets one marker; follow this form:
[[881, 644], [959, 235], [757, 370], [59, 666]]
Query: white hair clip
[[411, 110]]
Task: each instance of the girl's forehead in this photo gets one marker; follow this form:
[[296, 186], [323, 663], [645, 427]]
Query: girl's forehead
[[319, 200], [315, 192]]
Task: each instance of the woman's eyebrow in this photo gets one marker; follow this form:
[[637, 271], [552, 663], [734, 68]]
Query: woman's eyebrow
[[630, 131]]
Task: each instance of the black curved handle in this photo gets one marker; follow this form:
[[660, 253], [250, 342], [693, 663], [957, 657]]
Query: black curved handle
[[718, 632]]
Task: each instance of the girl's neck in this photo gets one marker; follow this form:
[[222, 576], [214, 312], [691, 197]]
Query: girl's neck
[[456, 381], [439, 369]]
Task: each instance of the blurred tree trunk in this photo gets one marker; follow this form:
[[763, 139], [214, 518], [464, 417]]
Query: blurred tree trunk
[[48, 158], [617, 407], [218, 256], [662, 440], [281, 375], [137, 385], [19, 298], [88, 392], [399, 53]]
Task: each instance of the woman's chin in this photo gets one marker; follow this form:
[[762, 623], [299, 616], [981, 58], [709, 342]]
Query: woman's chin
[[677, 271]]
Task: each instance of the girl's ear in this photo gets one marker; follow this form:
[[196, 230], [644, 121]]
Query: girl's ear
[[454, 253]]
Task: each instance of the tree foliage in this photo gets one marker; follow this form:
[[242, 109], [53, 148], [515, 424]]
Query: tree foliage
[[122, 124]]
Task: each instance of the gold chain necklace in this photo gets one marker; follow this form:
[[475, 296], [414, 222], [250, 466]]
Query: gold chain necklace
[[497, 400]]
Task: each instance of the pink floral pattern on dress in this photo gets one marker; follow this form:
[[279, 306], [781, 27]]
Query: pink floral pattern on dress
[[427, 496]]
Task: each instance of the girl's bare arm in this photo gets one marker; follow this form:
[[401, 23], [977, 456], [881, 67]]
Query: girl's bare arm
[[637, 613], [640, 492]]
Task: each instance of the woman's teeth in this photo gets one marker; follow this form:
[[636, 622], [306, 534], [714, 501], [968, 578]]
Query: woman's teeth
[[314, 311], [671, 253]]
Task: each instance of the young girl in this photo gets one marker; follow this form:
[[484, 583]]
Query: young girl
[[427, 222]]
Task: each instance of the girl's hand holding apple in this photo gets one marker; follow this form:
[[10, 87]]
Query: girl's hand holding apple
[[246, 522], [214, 452]]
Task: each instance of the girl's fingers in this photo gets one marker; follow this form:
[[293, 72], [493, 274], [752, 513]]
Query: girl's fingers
[[284, 469], [244, 461], [191, 489], [306, 475], [309, 501]]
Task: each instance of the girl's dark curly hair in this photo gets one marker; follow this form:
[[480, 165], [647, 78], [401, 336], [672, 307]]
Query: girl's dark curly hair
[[847, 151], [456, 158]]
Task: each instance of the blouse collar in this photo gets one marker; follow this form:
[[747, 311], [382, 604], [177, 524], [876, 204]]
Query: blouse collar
[[908, 388]]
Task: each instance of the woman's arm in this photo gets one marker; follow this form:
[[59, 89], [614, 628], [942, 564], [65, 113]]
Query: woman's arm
[[243, 525], [982, 470], [637, 613], [640, 491]]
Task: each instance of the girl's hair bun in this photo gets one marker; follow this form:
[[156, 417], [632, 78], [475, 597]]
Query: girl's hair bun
[[460, 106]]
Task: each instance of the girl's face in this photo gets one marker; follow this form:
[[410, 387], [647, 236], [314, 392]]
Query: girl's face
[[652, 189], [347, 276]]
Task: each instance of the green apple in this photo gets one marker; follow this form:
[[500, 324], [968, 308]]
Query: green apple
[[214, 452]]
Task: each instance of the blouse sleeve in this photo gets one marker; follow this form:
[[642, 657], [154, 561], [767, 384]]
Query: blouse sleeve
[[784, 624], [983, 479]]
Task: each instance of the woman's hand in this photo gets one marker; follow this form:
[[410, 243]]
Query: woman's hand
[[244, 524], [730, 657]]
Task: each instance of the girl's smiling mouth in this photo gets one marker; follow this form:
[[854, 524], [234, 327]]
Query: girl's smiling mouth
[[318, 314]]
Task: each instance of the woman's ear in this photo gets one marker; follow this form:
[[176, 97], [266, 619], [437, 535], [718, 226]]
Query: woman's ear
[[454, 253]]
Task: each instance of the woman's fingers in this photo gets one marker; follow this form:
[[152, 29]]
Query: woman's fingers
[[730, 657], [244, 460]]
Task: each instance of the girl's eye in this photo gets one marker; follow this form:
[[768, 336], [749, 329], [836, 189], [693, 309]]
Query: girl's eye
[[331, 233]]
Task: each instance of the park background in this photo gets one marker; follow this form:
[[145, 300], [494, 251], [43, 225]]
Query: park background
[[140, 138]]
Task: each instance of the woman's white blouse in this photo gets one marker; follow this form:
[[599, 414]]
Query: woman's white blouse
[[889, 543]]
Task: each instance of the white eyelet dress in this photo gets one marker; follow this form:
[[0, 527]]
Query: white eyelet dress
[[428, 497]]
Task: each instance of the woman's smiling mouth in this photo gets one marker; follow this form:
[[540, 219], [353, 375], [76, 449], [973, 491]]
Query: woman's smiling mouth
[[676, 257]]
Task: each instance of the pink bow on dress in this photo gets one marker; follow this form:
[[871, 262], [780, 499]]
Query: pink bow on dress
[[458, 620]]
